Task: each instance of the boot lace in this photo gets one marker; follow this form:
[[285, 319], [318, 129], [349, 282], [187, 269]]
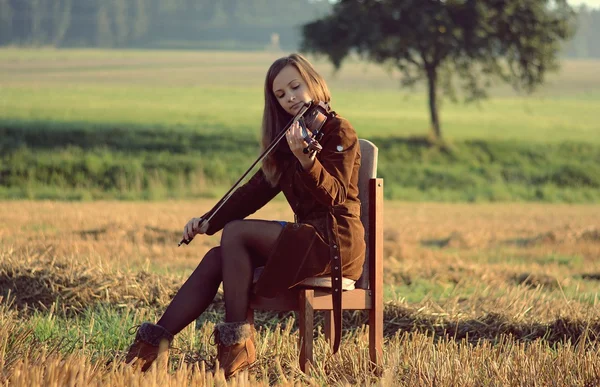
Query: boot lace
[[134, 329]]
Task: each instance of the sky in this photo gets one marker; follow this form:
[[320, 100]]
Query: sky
[[589, 3]]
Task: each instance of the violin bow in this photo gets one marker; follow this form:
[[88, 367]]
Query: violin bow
[[264, 154]]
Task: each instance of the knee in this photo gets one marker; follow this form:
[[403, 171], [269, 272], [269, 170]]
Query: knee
[[233, 232], [213, 254], [212, 259]]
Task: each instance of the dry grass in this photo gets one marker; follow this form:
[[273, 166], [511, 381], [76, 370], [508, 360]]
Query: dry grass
[[490, 294]]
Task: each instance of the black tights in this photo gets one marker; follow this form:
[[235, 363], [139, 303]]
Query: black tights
[[245, 245]]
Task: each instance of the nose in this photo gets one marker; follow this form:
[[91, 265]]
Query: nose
[[292, 97]]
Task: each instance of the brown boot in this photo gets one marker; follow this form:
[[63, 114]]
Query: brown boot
[[150, 341], [236, 348]]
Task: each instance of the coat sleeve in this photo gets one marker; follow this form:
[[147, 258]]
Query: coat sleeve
[[244, 201], [330, 175]]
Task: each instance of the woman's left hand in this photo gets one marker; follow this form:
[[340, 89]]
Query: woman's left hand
[[297, 144]]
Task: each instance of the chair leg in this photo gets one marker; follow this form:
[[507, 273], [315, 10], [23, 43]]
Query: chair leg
[[376, 333], [250, 316], [329, 328], [306, 321]]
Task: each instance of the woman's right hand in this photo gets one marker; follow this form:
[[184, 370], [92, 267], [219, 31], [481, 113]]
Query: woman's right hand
[[193, 227]]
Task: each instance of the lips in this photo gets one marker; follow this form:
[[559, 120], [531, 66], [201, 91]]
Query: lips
[[296, 105]]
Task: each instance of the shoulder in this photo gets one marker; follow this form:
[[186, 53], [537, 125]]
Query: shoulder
[[339, 127], [337, 121], [339, 135]]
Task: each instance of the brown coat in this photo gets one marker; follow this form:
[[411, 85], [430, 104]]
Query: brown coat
[[326, 205]]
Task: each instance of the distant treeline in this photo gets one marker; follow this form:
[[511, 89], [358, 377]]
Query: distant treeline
[[234, 24], [157, 23], [586, 43]]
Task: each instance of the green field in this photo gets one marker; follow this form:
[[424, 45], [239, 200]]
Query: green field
[[87, 124]]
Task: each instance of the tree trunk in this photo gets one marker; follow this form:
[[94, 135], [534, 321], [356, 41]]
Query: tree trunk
[[433, 108]]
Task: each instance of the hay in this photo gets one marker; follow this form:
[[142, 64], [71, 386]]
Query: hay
[[148, 235], [39, 280], [534, 280], [490, 327], [590, 234]]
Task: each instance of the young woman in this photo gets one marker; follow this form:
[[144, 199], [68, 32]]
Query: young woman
[[322, 190]]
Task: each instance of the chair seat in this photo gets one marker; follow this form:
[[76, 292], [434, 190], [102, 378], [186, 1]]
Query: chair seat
[[325, 282], [315, 282]]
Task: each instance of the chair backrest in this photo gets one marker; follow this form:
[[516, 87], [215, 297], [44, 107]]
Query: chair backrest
[[368, 170]]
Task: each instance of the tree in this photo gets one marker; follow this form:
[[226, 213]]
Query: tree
[[38, 10], [61, 20], [442, 41], [121, 22], [141, 20], [6, 22], [104, 34]]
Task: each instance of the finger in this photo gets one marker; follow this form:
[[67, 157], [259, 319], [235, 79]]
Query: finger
[[298, 135], [290, 131], [298, 139], [185, 232], [204, 227], [304, 132], [189, 233], [198, 227], [297, 130], [289, 138], [292, 128]]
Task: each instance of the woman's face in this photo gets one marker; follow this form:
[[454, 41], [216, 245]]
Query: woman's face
[[290, 89]]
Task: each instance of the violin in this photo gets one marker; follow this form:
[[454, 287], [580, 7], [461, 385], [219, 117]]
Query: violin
[[311, 117], [313, 121]]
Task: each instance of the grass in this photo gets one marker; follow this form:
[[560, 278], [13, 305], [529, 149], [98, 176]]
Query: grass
[[86, 164], [204, 91], [154, 125], [214, 96], [481, 293], [509, 297]]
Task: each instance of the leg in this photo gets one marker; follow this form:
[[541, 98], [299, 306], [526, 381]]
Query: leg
[[245, 245], [376, 330], [191, 300], [329, 328], [195, 295], [306, 325]]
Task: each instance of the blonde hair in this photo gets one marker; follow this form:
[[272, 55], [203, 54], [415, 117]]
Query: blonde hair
[[275, 117]]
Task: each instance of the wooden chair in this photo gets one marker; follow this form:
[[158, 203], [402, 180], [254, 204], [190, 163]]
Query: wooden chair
[[368, 290]]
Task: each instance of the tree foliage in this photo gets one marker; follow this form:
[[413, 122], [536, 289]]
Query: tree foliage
[[445, 42]]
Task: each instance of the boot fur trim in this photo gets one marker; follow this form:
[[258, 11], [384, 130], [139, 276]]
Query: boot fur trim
[[153, 334], [234, 333]]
